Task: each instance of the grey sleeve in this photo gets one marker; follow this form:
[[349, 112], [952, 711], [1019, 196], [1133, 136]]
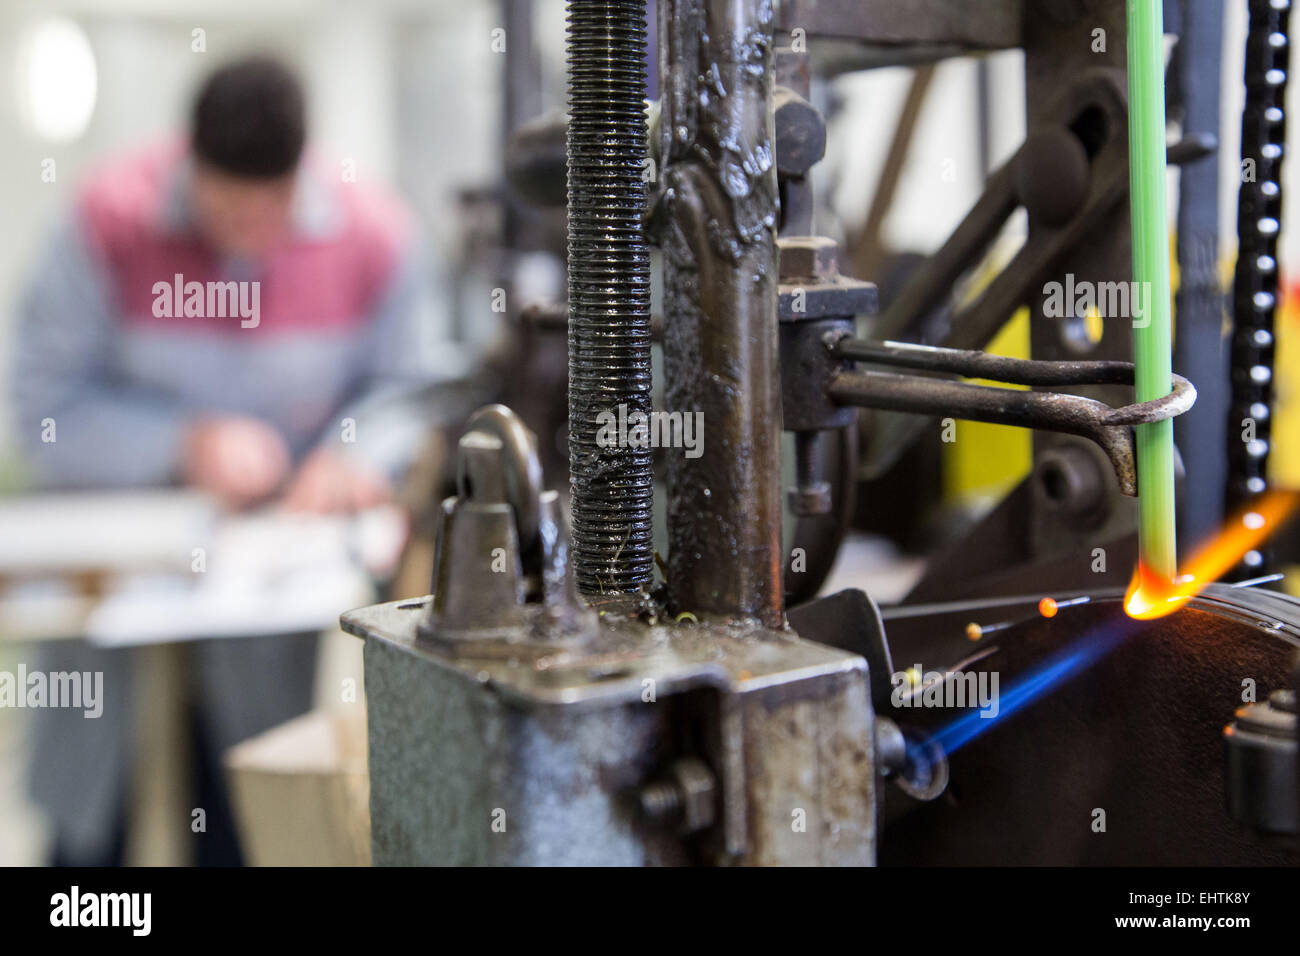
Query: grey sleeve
[[410, 374], [78, 425]]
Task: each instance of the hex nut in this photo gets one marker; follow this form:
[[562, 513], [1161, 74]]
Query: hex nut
[[808, 257]]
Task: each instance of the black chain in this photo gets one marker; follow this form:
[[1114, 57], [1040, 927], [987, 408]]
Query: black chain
[[1255, 285]]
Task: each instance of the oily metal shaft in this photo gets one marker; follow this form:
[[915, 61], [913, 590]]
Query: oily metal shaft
[[720, 308], [609, 295]]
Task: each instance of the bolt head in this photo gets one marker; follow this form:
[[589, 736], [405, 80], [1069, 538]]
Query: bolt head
[[800, 133], [808, 257], [814, 499], [696, 786]]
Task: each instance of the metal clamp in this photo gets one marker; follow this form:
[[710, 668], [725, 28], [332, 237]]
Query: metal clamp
[[501, 581], [510, 461], [1108, 426]]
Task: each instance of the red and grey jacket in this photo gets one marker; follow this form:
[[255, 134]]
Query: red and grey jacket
[[133, 326]]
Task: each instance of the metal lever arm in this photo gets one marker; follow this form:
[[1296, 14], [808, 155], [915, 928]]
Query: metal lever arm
[[1108, 426]]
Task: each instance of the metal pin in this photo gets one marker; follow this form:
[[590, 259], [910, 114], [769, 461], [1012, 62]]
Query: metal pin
[[1048, 607], [1263, 579]]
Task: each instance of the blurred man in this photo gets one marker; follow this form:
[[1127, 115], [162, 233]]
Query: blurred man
[[220, 313]]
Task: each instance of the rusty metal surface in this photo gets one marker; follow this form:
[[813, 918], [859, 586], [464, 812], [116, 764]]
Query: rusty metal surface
[[800, 135], [596, 735], [720, 288], [820, 536], [851, 621], [1052, 411], [610, 669], [563, 743], [812, 287], [816, 305], [971, 363], [502, 576], [448, 760]]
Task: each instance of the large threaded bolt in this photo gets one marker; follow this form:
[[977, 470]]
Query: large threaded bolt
[[609, 294]]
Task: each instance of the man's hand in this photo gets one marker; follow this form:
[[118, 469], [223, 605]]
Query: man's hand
[[328, 482], [238, 460]]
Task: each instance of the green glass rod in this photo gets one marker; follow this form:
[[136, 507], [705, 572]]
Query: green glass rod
[[1152, 336]]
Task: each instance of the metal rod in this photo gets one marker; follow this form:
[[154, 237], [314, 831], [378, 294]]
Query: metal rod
[[609, 294], [720, 299], [1152, 341], [1054, 411], [975, 364], [982, 403], [1200, 350]]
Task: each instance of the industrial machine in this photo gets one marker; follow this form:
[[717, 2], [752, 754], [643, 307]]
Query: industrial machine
[[569, 694]]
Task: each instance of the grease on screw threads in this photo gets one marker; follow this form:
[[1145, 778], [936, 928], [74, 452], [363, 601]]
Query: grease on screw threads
[[609, 292]]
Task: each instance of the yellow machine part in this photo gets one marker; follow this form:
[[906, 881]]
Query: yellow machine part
[[986, 461]]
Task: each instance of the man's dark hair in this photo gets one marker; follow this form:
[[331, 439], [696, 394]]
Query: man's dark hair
[[250, 119]]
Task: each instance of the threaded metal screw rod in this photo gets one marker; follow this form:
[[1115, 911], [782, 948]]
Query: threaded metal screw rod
[[1255, 285], [609, 293]]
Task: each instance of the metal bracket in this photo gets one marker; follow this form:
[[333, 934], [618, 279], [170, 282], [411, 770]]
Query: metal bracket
[[1108, 426]]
